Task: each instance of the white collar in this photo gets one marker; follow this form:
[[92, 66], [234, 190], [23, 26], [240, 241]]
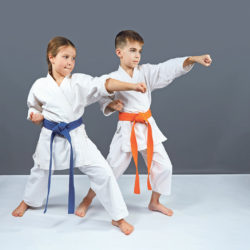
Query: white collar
[[135, 72]]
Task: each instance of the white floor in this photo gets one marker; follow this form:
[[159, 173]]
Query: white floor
[[210, 212]]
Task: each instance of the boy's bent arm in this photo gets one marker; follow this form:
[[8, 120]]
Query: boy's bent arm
[[104, 102]]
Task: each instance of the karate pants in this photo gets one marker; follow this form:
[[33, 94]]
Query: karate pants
[[102, 181], [161, 167]]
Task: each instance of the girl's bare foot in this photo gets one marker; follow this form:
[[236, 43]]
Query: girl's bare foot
[[83, 207], [20, 210], [125, 227], [160, 208]]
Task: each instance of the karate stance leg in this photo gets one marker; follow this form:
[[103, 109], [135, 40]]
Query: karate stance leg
[[35, 190], [160, 178], [119, 162], [103, 183]]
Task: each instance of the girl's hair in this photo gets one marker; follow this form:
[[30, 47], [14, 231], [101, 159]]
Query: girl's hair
[[53, 48]]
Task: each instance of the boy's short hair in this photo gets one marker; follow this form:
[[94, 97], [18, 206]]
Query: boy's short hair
[[127, 35]]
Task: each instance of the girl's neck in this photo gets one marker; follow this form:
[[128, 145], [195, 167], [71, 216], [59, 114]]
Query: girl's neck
[[57, 77]]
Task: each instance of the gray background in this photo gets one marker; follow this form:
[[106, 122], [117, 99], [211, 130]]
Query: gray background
[[205, 114]]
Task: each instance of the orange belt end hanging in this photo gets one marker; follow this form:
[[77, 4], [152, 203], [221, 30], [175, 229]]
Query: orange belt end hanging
[[134, 150], [142, 118]]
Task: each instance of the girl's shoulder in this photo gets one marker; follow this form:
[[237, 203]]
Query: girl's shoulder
[[40, 81], [80, 76]]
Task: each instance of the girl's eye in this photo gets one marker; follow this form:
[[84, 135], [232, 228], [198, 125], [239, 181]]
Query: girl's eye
[[66, 57]]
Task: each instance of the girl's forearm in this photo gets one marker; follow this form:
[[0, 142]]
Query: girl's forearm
[[116, 85]]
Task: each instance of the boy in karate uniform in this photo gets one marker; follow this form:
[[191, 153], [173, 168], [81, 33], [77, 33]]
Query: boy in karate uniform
[[137, 129]]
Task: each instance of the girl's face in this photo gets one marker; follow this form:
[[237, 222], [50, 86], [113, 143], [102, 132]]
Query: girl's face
[[64, 62]]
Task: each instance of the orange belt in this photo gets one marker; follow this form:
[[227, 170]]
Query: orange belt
[[141, 118]]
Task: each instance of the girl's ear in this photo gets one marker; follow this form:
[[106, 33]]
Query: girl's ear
[[119, 53], [51, 58]]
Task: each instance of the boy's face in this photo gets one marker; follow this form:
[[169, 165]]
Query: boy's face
[[130, 54], [64, 62]]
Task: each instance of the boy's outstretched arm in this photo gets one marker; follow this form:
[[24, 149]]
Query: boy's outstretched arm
[[204, 60], [116, 85]]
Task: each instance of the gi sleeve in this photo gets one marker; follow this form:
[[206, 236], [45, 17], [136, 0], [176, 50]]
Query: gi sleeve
[[93, 88], [162, 74], [33, 103], [104, 102]]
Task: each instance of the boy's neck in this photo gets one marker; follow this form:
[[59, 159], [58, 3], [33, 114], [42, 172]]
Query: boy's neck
[[127, 69]]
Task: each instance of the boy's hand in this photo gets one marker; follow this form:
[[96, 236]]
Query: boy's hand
[[36, 118], [204, 60], [140, 87], [116, 105]]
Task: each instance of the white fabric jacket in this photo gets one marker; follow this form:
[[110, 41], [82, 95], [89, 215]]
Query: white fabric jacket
[[65, 103], [155, 77]]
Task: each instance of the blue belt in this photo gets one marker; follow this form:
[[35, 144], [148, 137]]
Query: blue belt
[[63, 129]]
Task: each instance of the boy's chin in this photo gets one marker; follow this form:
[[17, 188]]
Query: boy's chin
[[134, 65]]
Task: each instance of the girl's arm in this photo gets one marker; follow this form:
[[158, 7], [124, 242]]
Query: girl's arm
[[116, 85], [35, 107]]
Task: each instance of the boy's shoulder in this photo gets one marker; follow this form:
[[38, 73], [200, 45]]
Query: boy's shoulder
[[114, 73]]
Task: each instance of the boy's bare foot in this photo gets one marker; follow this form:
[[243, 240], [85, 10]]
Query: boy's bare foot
[[160, 208], [125, 227], [83, 207], [20, 210]]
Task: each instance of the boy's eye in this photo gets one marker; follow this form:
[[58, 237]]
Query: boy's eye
[[66, 57]]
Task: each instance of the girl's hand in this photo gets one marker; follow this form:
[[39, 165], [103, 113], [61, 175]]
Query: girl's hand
[[116, 105], [36, 118], [140, 87]]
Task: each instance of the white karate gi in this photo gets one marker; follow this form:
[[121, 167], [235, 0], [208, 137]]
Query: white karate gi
[[119, 157], [66, 103]]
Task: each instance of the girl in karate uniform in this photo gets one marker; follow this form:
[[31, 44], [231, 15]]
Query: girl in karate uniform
[[58, 100], [136, 128]]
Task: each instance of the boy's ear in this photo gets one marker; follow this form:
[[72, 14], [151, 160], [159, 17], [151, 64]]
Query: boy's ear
[[118, 53]]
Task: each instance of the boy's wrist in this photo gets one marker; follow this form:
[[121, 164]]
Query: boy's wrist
[[192, 59]]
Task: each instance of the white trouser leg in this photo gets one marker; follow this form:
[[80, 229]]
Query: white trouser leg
[[161, 170], [118, 160], [104, 184], [36, 187]]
